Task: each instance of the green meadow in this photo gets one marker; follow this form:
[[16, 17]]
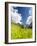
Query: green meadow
[[20, 32]]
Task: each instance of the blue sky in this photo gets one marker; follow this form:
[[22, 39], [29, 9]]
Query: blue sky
[[25, 12]]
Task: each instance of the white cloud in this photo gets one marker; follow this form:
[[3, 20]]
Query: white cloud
[[29, 20], [16, 17]]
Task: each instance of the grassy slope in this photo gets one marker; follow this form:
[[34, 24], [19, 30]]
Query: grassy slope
[[17, 32]]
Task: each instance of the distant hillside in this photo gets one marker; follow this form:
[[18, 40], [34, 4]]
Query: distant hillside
[[29, 26], [21, 25]]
